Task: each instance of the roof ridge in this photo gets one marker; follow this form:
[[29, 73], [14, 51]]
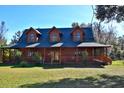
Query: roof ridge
[[62, 28]]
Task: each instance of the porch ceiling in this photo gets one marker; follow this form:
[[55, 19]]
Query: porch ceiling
[[92, 44]]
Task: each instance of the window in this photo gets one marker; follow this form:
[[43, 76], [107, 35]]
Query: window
[[54, 37], [77, 36], [30, 53], [98, 51], [31, 37]]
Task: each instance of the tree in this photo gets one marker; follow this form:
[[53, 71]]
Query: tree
[[75, 24], [83, 25], [16, 37], [16, 53], [121, 42], [105, 34], [3, 30], [110, 12], [3, 41], [111, 35], [97, 29]]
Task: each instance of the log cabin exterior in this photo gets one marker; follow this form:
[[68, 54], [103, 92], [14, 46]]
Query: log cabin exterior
[[61, 45]]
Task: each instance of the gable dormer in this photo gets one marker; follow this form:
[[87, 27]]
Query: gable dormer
[[54, 35], [77, 34], [32, 35]]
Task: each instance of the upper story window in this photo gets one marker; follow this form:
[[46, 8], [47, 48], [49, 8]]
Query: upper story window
[[54, 37], [30, 53], [31, 37], [77, 36]]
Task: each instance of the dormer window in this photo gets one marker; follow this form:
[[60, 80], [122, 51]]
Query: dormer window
[[77, 36], [54, 34], [54, 37], [32, 37]]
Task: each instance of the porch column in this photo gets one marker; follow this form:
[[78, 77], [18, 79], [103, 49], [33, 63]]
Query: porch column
[[93, 54], [22, 54], [3, 55], [50, 56], [106, 51], [0, 55], [14, 52], [76, 54], [9, 54], [44, 56], [60, 56]]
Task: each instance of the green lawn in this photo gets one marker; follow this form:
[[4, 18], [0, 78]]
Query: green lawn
[[110, 76]]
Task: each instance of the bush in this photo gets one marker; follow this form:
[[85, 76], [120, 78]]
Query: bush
[[84, 55], [1, 61], [113, 55], [37, 59], [23, 64], [18, 56], [118, 55]]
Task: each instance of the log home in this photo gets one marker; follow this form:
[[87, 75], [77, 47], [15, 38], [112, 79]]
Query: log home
[[62, 45]]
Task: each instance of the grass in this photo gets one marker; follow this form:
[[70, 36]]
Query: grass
[[36, 77], [118, 63]]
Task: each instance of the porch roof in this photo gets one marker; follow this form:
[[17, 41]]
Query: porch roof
[[7, 46], [32, 45], [57, 45], [92, 44]]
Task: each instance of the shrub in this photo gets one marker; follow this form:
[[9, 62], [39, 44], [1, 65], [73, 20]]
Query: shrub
[[112, 55], [18, 56], [122, 55], [23, 64], [37, 59], [118, 55], [84, 55], [1, 61]]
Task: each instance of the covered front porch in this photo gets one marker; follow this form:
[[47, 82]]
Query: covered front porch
[[60, 55], [64, 55]]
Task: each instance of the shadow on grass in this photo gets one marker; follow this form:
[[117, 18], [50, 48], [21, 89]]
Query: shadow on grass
[[57, 66], [4, 65], [104, 81]]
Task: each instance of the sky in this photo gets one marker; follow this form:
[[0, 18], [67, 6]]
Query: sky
[[43, 16]]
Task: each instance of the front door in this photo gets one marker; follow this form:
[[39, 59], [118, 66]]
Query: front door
[[54, 57]]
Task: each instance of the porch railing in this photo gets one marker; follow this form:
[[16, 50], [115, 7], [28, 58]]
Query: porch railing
[[101, 58]]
